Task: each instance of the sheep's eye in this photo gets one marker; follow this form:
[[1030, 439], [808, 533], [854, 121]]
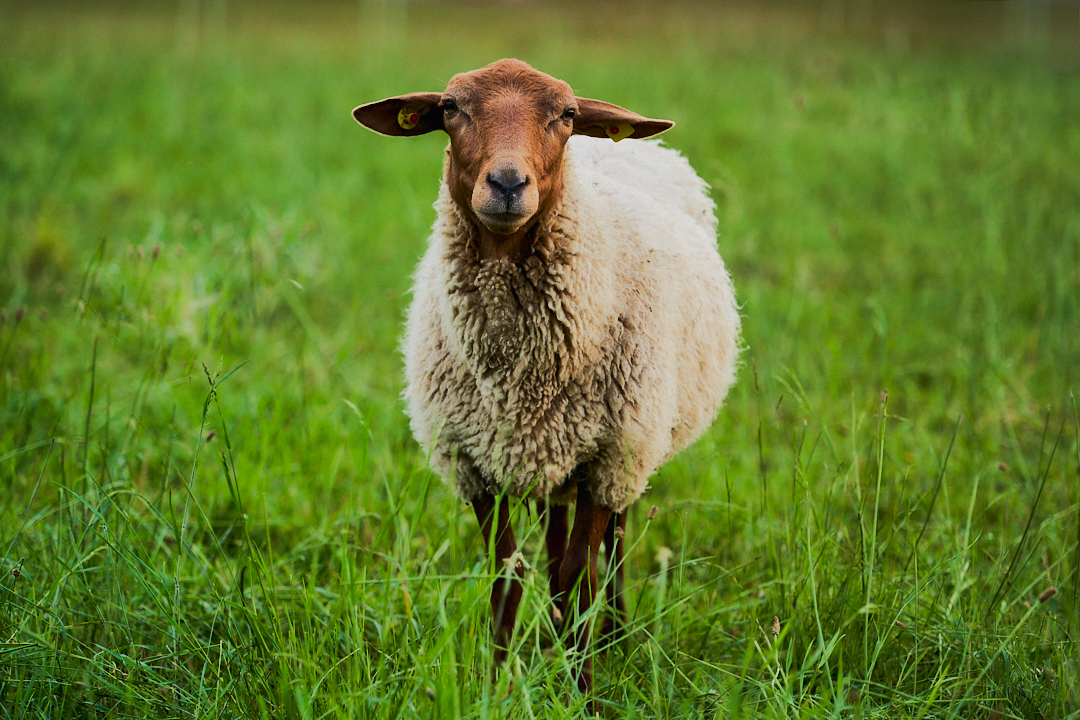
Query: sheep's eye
[[569, 114], [449, 106]]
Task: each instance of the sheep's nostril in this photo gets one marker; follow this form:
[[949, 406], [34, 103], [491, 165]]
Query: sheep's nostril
[[507, 181]]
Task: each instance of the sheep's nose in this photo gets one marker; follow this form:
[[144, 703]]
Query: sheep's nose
[[507, 181]]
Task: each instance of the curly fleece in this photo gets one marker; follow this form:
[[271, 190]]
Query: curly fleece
[[604, 353]]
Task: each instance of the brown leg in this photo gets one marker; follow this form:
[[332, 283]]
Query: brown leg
[[506, 594], [614, 542], [555, 540], [590, 520]]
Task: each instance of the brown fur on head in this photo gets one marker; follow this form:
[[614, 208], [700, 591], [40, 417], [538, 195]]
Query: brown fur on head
[[508, 126]]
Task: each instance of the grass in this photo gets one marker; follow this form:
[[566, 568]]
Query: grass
[[212, 503]]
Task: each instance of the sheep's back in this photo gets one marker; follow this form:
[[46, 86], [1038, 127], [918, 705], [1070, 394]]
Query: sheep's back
[[649, 168]]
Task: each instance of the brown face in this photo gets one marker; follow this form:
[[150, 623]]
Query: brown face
[[508, 126]]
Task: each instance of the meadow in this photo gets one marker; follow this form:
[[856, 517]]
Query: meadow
[[210, 501]]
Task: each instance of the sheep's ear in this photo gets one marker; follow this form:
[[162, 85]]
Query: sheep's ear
[[403, 116], [604, 120]]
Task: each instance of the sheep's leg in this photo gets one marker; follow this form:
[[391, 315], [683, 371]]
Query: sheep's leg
[[580, 562], [555, 540], [506, 594], [614, 542]]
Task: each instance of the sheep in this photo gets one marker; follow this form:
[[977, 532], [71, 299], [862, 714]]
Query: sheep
[[572, 324]]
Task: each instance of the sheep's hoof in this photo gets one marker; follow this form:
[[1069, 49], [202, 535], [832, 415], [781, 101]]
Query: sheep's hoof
[[556, 618]]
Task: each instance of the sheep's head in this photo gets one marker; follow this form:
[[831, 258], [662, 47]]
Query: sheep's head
[[508, 125]]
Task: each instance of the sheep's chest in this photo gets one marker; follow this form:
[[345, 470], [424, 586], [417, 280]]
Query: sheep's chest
[[524, 422], [510, 323]]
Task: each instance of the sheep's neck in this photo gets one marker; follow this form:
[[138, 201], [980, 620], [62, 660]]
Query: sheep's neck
[[513, 248]]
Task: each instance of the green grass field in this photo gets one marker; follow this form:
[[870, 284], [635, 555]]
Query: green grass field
[[210, 502]]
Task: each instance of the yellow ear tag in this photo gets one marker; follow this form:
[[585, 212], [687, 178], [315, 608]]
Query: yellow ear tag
[[619, 131], [408, 118]]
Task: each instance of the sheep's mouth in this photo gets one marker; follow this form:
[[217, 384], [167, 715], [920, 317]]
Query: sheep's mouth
[[502, 223]]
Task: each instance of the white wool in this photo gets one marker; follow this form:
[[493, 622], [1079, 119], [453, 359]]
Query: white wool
[[596, 359]]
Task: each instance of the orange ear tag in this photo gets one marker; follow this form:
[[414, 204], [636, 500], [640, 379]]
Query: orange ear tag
[[619, 131], [408, 118]]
